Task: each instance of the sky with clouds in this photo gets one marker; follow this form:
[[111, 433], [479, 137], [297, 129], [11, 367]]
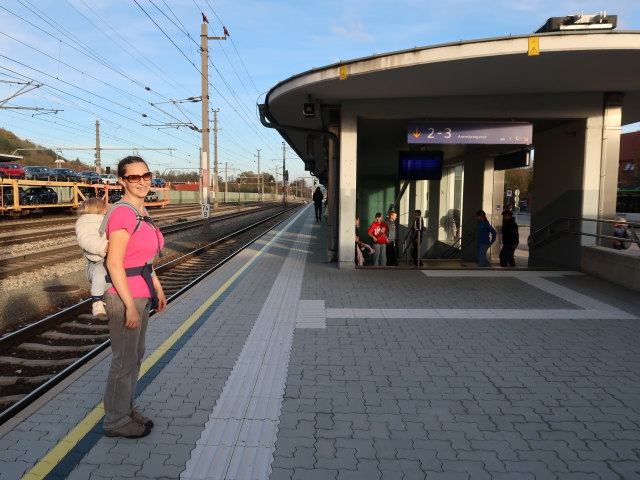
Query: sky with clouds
[[94, 59]]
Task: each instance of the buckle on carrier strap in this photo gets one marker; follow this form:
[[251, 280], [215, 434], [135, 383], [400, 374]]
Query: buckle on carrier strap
[[145, 271]]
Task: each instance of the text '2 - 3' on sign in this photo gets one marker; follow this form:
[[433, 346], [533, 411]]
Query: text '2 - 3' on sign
[[502, 133]]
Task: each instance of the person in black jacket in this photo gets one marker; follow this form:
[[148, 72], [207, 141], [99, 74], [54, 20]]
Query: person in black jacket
[[510, 239], [317, 203]]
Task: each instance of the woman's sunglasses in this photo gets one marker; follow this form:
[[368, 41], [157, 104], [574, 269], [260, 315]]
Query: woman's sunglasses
[[136, 178]]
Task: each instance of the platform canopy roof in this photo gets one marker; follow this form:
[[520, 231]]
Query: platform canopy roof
[[569, 62]]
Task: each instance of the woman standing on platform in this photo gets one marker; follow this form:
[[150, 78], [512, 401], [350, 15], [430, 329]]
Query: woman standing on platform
[[133, 243], [485, 236]]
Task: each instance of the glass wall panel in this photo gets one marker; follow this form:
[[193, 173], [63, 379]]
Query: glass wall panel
[[450, 204]]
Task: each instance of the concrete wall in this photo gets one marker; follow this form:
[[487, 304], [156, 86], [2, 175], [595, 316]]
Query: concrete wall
[[559, 168], [613, 266]]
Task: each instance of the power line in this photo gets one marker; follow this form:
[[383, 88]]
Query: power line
[[168, 37], [234, 47], [94, 56], [140, 58], [71, 66]]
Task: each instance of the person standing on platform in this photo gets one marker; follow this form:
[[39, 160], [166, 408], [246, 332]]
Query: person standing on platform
[[378, 231], [415, 237], [392, 239], [317, 203], [510, 239], [485, 237], [134, 241]]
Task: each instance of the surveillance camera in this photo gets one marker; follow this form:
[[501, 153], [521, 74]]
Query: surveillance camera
[[309, 110]]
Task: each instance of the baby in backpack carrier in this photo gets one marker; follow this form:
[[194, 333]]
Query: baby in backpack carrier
[[94, 247]]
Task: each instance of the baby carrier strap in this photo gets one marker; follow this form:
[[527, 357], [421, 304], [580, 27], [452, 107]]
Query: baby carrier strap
[[139, 218], [146, 271]]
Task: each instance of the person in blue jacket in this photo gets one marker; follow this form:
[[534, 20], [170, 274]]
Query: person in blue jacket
[[485, 236]]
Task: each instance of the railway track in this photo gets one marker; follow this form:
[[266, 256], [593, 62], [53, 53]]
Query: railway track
[[67, 228], [33, 261], [36, 358], [25, 223]]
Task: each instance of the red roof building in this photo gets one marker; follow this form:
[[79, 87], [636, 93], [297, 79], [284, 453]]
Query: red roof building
[[629, 169]]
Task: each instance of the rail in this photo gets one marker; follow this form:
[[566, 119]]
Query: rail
[[573, 226], [53, 319]]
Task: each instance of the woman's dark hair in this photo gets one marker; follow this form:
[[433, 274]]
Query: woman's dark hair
[[480, 213], [122, 164]]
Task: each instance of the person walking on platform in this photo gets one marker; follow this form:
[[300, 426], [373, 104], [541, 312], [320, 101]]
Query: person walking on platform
[[415, 237], [485, 237], [378, 231], [392, 240], [134, 241], [510, 239], [317, 203]]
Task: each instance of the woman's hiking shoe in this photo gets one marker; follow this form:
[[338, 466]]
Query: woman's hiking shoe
[[142, 420], [128, 430], [97, 309]]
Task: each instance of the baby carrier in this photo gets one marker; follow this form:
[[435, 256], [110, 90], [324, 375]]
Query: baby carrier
[[146, 270]]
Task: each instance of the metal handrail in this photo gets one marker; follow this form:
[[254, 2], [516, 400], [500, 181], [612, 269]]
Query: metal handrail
[[563, 225]]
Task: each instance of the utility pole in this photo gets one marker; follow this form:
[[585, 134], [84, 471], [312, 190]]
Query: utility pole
[[277, 190], [259, 189], [284, 169], [215, 158], [226, 181], [204, 157], [98, 167]]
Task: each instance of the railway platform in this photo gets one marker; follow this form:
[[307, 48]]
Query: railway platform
[[280, 366]]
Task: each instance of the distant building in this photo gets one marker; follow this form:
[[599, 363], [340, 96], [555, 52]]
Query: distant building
[[629, 168]]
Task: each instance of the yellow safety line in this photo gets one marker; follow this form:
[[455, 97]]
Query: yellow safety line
[[64, 446]]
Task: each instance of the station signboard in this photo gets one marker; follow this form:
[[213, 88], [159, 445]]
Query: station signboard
[[487, 133]]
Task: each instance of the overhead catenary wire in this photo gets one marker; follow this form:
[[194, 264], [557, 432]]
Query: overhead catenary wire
[[168, 37], [94, 57], [77, 97], [194, 65], [149, 64], [114, 111], [79, 88], [90, 131], [234, 47], [246, 117]]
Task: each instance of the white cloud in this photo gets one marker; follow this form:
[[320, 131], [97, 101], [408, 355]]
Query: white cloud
[[351, 28], [354, 30]]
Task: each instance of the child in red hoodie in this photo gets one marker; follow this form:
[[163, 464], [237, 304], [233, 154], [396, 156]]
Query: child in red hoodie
[[378, 231]]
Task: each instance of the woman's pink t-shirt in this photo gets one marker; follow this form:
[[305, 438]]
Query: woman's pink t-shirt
[[143, 246]]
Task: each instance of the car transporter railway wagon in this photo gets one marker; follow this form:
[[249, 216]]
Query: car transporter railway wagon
[[22, 197]]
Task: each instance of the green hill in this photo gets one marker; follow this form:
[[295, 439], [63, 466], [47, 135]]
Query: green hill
[[9, 143]]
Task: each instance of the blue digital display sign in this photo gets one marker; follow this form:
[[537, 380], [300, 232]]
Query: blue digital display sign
[[420, 165], [487, 133]]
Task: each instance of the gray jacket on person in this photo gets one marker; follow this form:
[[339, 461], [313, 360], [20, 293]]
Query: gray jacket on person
[[89, 238]]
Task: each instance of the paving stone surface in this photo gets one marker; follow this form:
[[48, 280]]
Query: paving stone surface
[[377, 395], [509, 398]]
